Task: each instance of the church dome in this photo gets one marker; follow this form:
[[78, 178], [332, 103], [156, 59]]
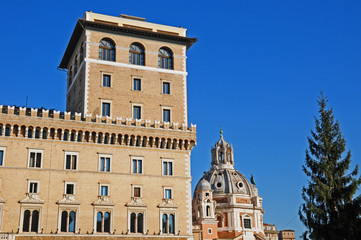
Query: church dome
[[227, 181], [203, 185], [222, 177]]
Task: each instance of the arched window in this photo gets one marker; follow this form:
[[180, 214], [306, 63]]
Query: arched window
[[165, 58], [31, 221], [140, 223], [68, 221], [168, 223], [45, 133], [72, 136], [26, 221], [64, 218], [164, 223], [72, 221], [99, 222], [35, 221], [208, 211], [107, 222], [103, 222], [132, 222], [7, 131], [136, 223], [37, 133], [136, 54], [171, 224], [107, 50]]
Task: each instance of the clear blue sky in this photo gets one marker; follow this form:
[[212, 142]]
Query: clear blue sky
[[257, 70]]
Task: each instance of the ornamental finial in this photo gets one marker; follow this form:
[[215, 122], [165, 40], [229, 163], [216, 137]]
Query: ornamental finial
[[221, 131]]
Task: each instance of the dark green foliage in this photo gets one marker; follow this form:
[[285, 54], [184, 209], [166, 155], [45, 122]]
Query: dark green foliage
[[330, 210]]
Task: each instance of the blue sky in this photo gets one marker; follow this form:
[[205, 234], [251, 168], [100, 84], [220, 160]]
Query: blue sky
[[257, 70]]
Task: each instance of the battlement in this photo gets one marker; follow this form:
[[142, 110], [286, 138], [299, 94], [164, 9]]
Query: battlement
[[77, 117], [52, 125]]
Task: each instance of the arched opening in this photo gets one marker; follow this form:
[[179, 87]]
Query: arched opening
[[136, 54], [107, 50], [165, 58], [26, 221]]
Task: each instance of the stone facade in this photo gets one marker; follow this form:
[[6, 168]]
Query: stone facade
[[92, 175]]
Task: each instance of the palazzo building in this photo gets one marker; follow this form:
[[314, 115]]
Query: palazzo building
[[117, 162], [225, 204]]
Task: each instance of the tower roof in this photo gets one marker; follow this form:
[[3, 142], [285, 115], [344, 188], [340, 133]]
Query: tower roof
[[222, 154], [203, 185]]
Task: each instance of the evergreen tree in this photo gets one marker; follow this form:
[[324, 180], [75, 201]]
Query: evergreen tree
[[330, 210]]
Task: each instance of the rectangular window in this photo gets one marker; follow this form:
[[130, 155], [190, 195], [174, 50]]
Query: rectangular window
[[137, 192], [166, 115], [33, 187], [104, 163], [137, 166], [35, 158], [247, 223], [70, 188], [106, 80], [105, 109], [168, 168], [137, 84], [2, 156], [168, 193], [71, 161], [166, 88], [137, 112], [103, 190]]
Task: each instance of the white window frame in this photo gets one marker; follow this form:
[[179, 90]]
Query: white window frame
[[110, 162], [131, 164], [32, 150], [33, 181], [167, 160], [141, 83], [4, 155], [246, 217], [101, 79], [209, 230], [103, 209], [165, 188], [137, 186], [69, 209], [110, 107], [77, 159], [74, 189], [136, 211], [168, 212], [104, 185], [170, 113], [170, 89], [141, 110], [31, 208]]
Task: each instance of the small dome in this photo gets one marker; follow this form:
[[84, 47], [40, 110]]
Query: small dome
[[203, 185]]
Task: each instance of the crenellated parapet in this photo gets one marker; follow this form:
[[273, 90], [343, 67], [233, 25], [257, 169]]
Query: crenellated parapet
[[66, 126]]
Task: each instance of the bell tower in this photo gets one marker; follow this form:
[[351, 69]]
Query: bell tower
[[204, 210]]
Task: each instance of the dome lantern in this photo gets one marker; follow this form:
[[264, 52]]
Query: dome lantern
[[222, 154]]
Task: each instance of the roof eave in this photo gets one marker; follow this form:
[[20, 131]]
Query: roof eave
[[78, 30]]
